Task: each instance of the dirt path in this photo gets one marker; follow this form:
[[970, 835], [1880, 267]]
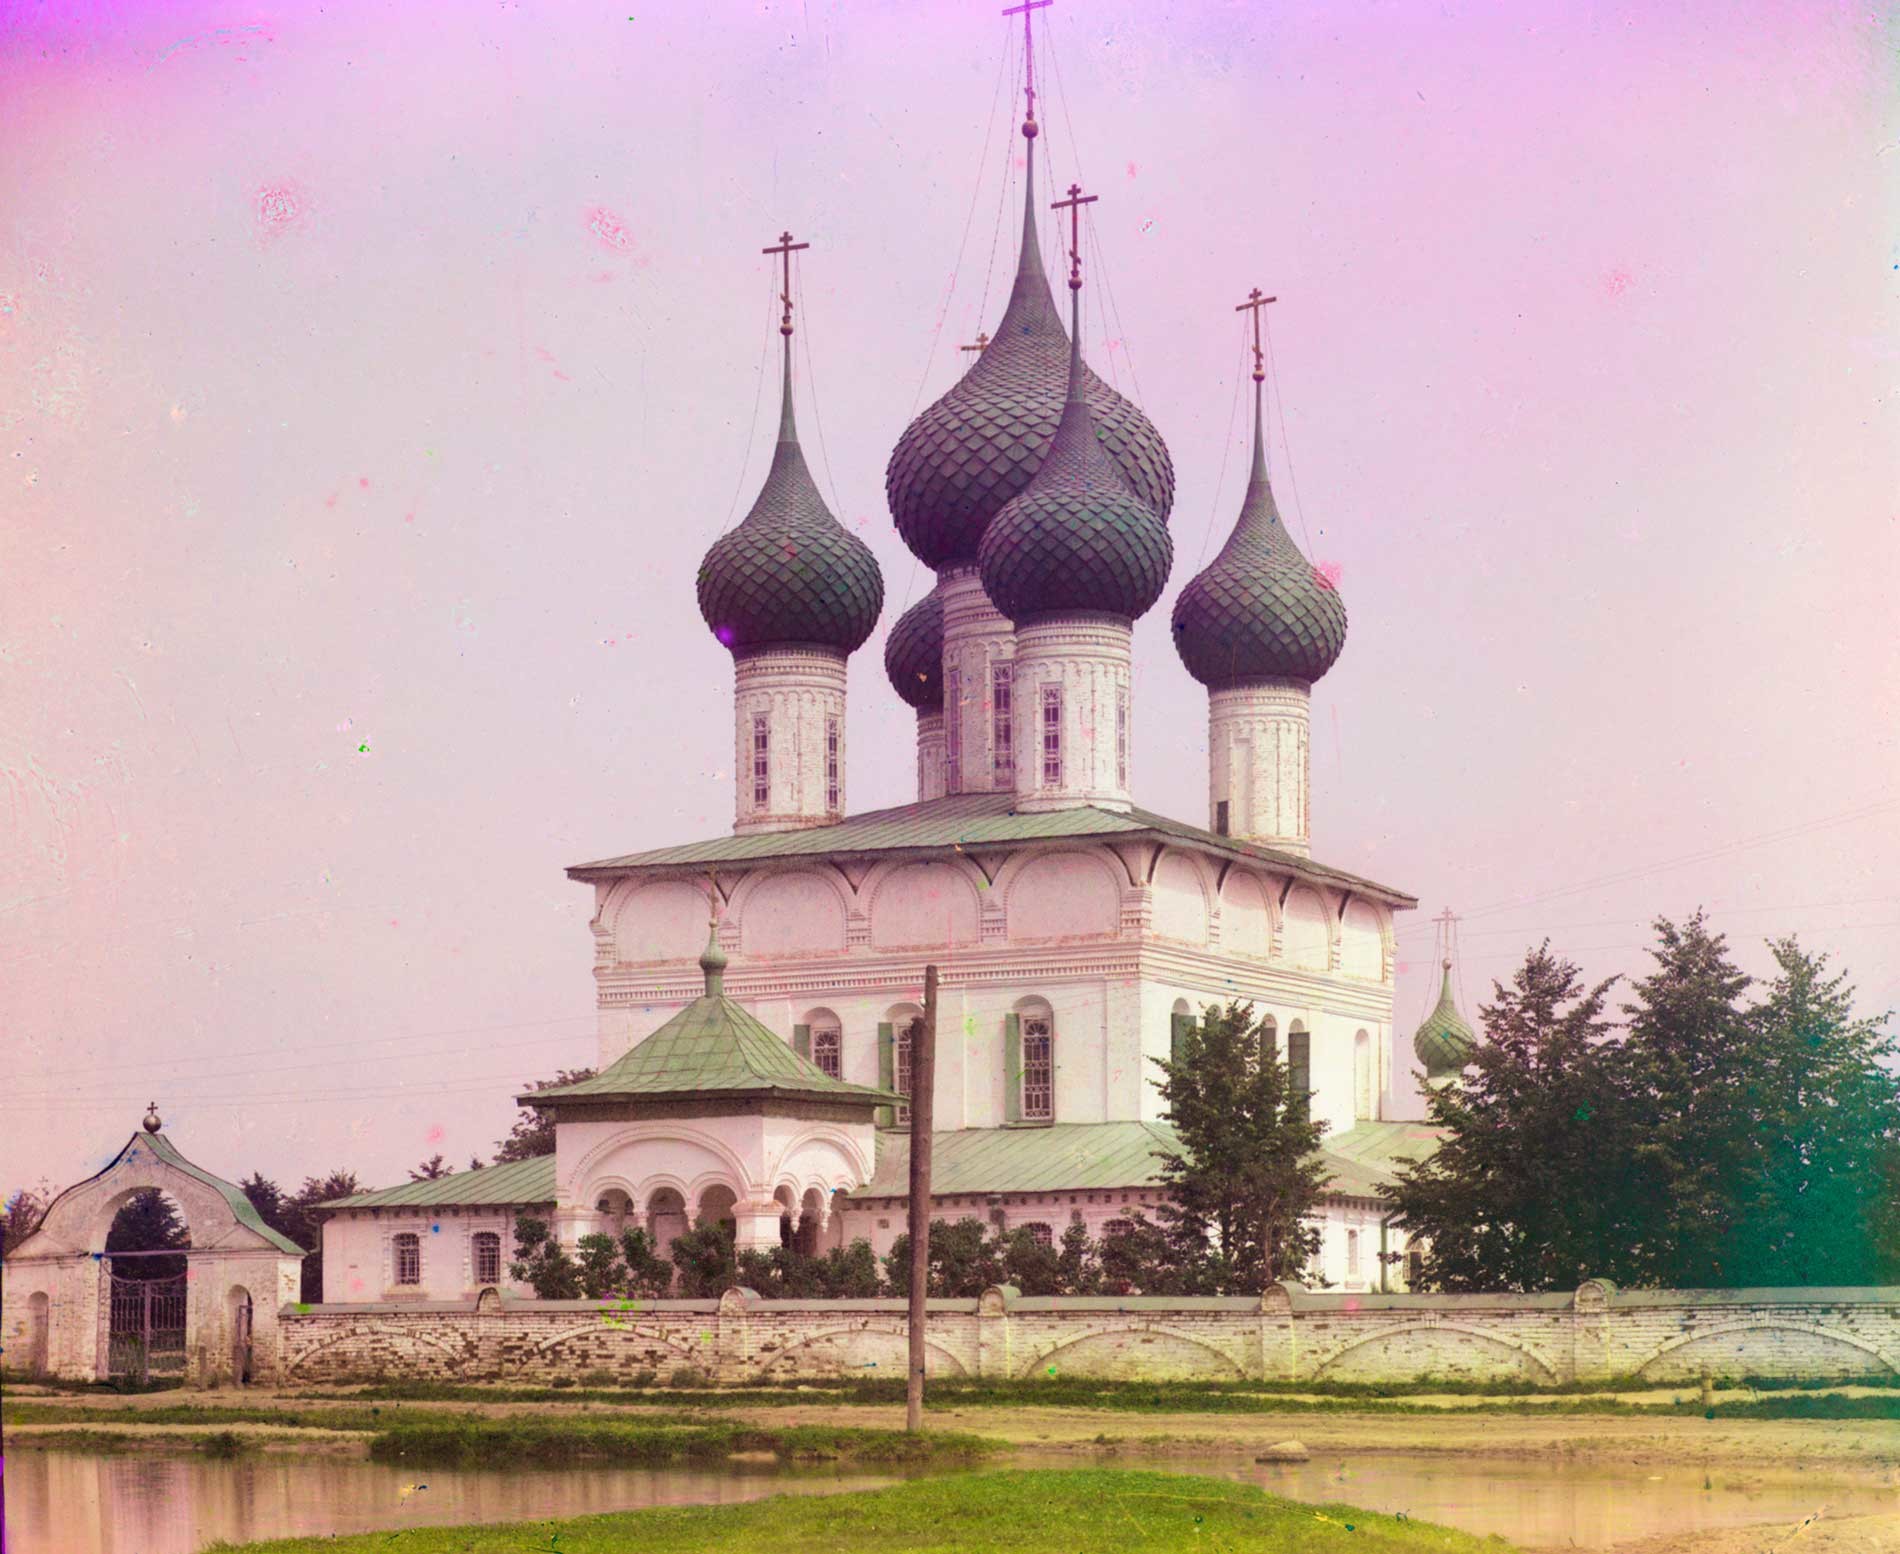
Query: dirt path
[[1847, 1535]]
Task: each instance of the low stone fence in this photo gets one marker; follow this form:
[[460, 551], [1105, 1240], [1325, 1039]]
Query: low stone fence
[[1289, 1333]]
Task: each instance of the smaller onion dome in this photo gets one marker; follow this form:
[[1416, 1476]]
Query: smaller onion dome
[[790, 575], [1446, 1041], [913, 653], [1260, 609], [1077, 538]]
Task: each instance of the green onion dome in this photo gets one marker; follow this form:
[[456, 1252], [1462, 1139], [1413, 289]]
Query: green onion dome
[[790, 575], [1077, 539], [1446, 1041], [967, 455], [913, 653], [1260, 609]]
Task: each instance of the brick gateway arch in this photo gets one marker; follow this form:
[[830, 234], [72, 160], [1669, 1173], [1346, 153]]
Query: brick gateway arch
[[217, 1323]]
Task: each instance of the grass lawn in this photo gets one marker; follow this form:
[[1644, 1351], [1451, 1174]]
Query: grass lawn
[[1022, 1512]]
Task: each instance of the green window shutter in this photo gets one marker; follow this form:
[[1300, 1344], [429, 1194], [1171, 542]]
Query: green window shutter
[[801, 1041], [1178, 1027], [1299, 1072], [1012, 1068], [886, 1069]]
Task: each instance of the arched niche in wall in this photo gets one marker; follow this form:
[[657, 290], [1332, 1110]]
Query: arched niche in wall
[[1362, 942], [923, 903], [665, 920], [795, 913], [1062, 895], [1180, 899], [1246, 921], [1307, 930]]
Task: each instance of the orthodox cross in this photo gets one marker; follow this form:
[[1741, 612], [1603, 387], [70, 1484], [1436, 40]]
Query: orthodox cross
[[1073, 205], [982, 344], [1447, 923], [1254, 303], [1029, 56], [786, 247]]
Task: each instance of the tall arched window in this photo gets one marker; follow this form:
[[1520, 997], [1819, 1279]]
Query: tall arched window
[[900, 1077], [484, 1249], [1352, 1254], [1039, 1068], [1362, 1076], [1299, 1070], [827, 1049], [406, 1257]]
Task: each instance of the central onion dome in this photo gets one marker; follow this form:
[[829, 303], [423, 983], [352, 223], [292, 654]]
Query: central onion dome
[[1260, 609], [973, 450], [1446, 1041], [913, 653], [790, 575], [1077, 539]]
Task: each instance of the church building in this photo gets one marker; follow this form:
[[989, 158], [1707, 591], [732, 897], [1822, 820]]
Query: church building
[[756, 1071]]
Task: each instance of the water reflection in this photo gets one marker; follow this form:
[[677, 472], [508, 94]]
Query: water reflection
[[134, 1503]]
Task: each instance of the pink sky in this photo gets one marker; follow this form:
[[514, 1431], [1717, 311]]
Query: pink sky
[[372, 380]]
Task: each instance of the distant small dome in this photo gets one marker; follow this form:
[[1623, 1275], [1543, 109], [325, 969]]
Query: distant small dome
[[1260, 609], [790, 575], [1445, 1041], [976, 448], [913, 653]]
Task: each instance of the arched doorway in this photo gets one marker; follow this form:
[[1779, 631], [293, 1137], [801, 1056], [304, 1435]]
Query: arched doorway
[[239, 1311], [144, 1266], [39, 1330]]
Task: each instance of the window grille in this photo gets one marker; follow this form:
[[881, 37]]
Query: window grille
[[827, 1051], [486, 1249], [901, 1067], [1117, 1227], [1001, 689], [1040, 1233], [1121, 740], [761, 762], [834, 780], [953, 730], [1052, 736], [1038, 1070], [407, 1249], [1352, 1252]]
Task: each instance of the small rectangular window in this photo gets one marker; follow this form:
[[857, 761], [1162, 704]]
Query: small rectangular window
[[952, 731], [486, 1248], [827, 1051], [1038, 1070], [1000, 691], [834, 776], [408, 1258], [1052, 736], [761, 762], [1220, 817], [1352, 1252], [1121, 740]]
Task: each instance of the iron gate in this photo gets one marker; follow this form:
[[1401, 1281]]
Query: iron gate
[[147, 1333]]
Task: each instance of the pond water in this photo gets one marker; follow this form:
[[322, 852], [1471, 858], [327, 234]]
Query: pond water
[[135, 1503]]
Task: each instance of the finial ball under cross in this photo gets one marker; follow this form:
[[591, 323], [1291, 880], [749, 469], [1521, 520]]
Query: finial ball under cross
[[1254, 303], [1073, 205], [786, 247]]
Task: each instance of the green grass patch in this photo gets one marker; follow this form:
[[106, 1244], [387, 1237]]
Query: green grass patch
[[545, 1442], [1055, 1512]]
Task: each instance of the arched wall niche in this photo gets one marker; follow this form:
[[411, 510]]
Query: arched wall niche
[[923, 904], [1180, 899], [796, 912], [1246, 918], [660, 921], [1362, 942], [1308, 930], [1068, 894]]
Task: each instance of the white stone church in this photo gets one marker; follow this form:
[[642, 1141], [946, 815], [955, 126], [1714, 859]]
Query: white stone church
[[760, 1079]]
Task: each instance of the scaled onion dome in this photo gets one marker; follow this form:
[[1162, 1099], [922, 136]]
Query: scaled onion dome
[[913, 653], [975, 448], [1077, 539], [1260, 609], [790, 575], [1446, 1041]]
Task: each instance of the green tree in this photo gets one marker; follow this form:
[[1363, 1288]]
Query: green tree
[[963, 1262], [850, 1272], [705, 1260], [1522, 1192], [22, 1212], [645, 1272], [1141, 1258], [1242, 1186], [148, 1221], [1818, 1205], [432, 1170], [302, 1221], [1078, 1269], [541, 1261], [1031, 1266], [533, 1133], [602, 1273]]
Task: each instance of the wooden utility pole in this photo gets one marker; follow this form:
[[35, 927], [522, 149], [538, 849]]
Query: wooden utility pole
[[923, 1069]]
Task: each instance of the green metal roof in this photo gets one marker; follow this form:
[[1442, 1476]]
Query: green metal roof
[[966, 820], [712, 1046], [1093, 1156], [519, 1181], [166, 1151]]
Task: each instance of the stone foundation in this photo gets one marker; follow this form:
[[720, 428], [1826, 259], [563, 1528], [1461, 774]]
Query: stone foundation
[[1289, 1334]]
